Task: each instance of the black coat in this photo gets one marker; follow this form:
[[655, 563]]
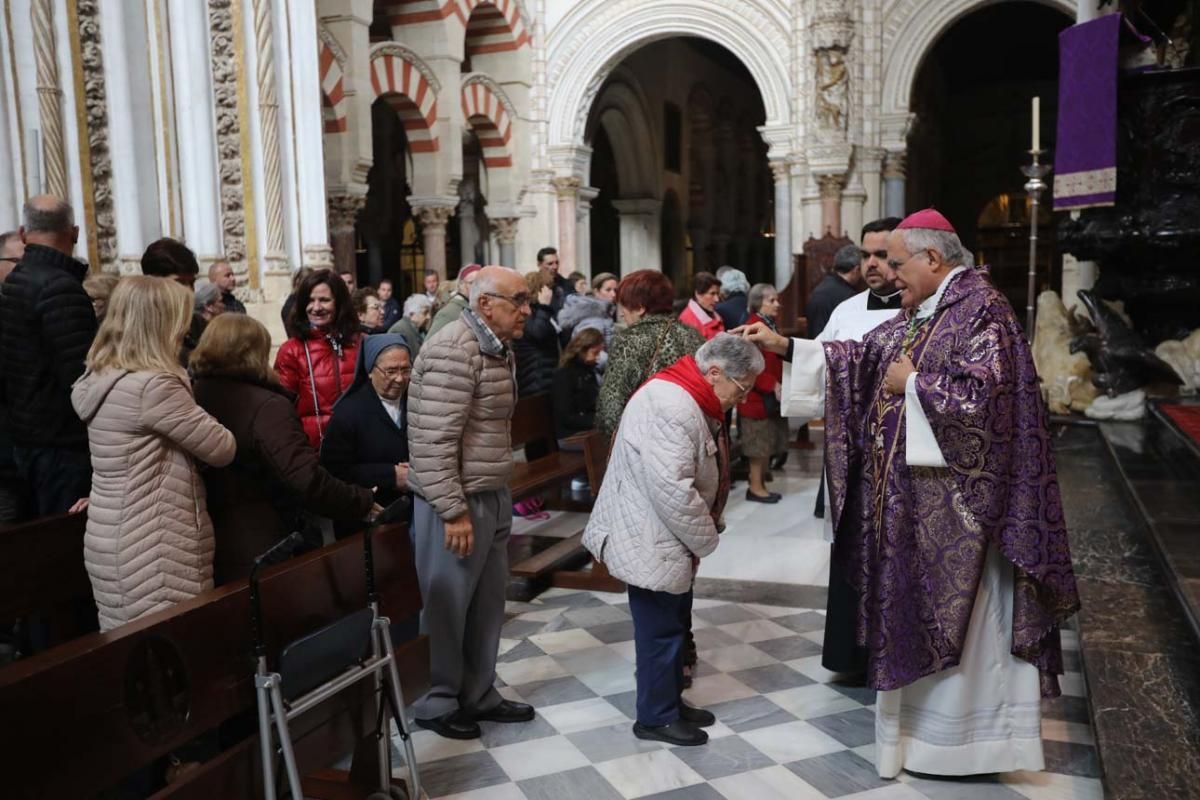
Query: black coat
[[734, 310], [257, 500], [47, 324], [827, 295], [363, 446], [537, 353], [574, 397], [232, 303]]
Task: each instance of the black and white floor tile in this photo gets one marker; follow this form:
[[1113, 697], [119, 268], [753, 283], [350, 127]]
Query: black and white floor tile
[[784, 730]]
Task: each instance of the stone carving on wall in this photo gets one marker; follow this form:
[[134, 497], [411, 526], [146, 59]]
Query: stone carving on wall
[[268, 111], [97, 133], [833, 89], [229, 155]]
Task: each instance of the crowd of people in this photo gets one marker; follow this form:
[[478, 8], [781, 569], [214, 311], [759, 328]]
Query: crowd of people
[[150, 403]]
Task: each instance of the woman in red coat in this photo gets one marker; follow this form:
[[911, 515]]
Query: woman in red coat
[[763, 430], [317, 363], [701, 311]]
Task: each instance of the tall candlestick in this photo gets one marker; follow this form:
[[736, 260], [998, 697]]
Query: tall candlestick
[[1037, 123]]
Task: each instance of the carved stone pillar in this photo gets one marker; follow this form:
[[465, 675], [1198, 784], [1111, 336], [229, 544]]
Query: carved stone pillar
[[49, 98], [567, 189], [343, 214], [781, 172], [268, 112], [433, 234], [893, 183], [506, 234], [831, 203], [225, 69], [640, 238]]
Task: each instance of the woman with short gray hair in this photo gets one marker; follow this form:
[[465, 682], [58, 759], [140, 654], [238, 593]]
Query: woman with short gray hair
[[761, 428], [659, 511]]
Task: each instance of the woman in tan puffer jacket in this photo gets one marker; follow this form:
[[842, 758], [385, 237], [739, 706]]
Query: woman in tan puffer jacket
[[149, 541]]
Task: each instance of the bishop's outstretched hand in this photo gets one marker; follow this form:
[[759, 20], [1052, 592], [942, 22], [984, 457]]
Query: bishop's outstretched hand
[[763, 336]]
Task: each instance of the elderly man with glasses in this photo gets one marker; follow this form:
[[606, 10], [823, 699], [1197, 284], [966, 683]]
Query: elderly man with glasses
[[462, 398]]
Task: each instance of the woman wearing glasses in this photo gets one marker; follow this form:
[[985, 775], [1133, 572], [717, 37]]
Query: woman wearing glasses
[[659, 512], [366, 442]]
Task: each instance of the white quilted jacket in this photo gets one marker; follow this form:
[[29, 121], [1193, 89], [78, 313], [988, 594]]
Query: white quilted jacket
[[149, 541], [652, 513]]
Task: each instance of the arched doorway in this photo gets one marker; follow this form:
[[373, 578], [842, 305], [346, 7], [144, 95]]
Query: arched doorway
[[657, 136], [971, 97]]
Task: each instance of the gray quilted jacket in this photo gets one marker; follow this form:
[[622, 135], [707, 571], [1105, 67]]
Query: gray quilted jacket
[[460, 407], [652, 513]]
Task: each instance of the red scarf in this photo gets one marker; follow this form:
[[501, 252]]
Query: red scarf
[[686, 373]]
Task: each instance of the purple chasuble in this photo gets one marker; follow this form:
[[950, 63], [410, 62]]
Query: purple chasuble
[[913, 540]]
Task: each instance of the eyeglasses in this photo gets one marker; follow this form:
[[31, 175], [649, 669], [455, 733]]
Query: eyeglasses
[[392, 373], [742, 390], [518, 300], [896, 265], [880, 254]]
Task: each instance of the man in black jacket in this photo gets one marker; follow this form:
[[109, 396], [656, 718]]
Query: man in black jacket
[[839, 285], [48, 326]]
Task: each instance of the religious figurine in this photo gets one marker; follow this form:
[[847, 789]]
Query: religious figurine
[[833, 80], [1121, 362]]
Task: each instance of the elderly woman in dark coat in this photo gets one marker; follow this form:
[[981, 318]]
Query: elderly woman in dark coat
[[275, 481], [367, 440]]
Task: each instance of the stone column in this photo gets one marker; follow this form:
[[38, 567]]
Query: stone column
[[893, 183], [831, 203], [268, 113], [505, 229], [308, 127], [1087, 10], [782, 173], [343, 215], [191, 65], [640, 241], [45, 54], [583, 233], [433, 219], [567, 189]]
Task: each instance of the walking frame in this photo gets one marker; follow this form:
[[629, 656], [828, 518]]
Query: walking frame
[[320, 664]]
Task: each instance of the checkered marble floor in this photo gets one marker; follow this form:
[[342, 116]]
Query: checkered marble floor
[[784, 731]]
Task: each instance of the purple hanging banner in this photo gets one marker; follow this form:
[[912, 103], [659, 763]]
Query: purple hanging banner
[[1085, 163]]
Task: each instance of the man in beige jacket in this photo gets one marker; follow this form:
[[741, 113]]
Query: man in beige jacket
[[460, 458]]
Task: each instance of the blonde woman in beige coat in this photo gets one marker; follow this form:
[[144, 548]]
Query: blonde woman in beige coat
[[149, 541]]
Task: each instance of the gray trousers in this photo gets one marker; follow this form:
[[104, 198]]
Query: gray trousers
[[464, 604]]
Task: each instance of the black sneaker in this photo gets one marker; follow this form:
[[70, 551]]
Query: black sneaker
[[679, 733]]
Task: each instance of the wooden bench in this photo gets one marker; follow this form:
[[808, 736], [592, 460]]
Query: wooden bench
[[42, 575], [81, 717], [552, 468]]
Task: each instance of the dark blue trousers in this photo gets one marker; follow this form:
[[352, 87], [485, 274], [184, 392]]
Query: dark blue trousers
[[660, 625]]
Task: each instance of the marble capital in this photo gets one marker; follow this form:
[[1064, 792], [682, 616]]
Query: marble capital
[[831, 186], [567, 186], [505, 228], [895, 164], [344, 210]]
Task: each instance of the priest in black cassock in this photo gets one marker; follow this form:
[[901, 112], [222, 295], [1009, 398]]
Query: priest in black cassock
[[852, 320]]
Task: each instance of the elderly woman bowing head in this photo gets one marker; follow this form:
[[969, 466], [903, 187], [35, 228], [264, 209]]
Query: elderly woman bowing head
[[659, 512]]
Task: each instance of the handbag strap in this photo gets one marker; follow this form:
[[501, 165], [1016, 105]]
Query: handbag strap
[[312, 384]]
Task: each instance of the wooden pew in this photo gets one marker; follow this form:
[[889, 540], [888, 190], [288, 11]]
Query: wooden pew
[[42, 575], [81, 717], [552, 469]]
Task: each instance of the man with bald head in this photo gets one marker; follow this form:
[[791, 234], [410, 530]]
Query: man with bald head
[[46, 327], [460, 460], [220, 275]]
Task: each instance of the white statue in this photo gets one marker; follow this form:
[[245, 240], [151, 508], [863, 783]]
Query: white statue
[[1066, 376], [1184, 358]]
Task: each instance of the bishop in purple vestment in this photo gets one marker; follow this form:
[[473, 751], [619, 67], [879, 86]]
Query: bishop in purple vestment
[[946, 511]]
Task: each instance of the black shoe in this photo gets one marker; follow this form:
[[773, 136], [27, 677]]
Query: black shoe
[[454, 725], [683, 734], [700, 717], [770, 498], [506, 711]]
